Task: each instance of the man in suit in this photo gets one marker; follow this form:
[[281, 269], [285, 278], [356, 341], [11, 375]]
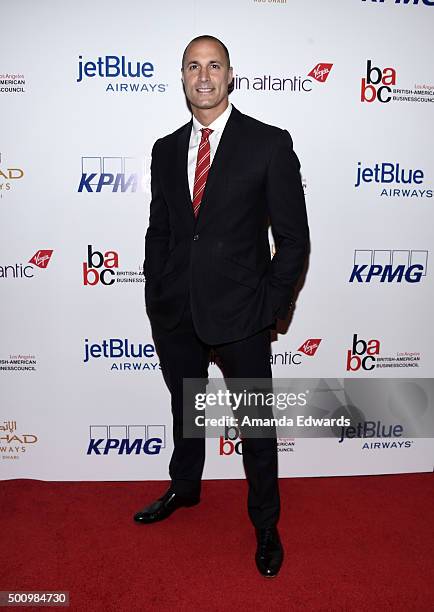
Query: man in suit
[[217, 183]]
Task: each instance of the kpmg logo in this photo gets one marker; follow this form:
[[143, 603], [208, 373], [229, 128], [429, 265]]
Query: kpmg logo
[[126, 439], [411, 2], [112, 67], [389, 266], [115, 174], [407, 182], [40, 259], [123, 354]]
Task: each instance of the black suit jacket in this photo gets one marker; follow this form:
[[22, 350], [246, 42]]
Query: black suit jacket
[[222, 258]]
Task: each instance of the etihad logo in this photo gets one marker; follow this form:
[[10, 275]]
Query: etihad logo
[[321, 72], [41, 258], [310, 347], [13, 444], [8, 176]]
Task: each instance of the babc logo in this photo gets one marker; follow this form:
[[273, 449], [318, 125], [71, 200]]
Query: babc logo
[[376, 84], [362, 354], [229, 444], [99, 268]]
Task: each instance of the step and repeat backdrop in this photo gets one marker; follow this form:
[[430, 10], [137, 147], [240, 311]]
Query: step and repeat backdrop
[[85, 90]]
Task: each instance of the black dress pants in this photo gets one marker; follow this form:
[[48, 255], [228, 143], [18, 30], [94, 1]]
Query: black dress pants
[[183, 355]]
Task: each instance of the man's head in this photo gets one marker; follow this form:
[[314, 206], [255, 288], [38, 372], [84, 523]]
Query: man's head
[[206, 74]]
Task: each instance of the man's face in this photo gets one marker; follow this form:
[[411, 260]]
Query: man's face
[[206, 75]]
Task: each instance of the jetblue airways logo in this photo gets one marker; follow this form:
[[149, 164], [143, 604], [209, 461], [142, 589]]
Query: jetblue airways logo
[[125, 355], [126, 439], [112, 67], [388, 266], [115, 174], [407, 182]]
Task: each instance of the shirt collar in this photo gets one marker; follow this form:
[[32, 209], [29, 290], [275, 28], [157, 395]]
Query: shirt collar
[[218, 125]]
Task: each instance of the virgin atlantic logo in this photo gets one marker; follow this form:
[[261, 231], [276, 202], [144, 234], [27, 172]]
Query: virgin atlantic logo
[[41, 258], [310, 346], [321, 72]]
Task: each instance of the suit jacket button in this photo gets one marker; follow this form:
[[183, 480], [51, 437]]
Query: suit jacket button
[[196, 237]]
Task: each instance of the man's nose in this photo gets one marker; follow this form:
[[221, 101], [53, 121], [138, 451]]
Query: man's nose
[[204, 74]]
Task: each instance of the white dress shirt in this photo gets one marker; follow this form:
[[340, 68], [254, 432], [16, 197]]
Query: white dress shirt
[[218, 125]]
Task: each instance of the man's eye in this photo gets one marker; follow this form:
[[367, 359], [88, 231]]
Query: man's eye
[[192, 66], [215, 65]]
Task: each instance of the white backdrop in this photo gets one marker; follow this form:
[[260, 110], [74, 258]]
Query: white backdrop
[[74, 172]]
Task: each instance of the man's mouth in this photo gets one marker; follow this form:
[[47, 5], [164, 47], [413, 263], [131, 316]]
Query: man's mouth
[[204, 90]]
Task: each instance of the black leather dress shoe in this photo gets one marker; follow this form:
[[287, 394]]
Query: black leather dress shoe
[[164, 507], [269, 553]]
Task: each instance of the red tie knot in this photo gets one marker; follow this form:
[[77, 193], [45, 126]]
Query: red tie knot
[[205, 133]]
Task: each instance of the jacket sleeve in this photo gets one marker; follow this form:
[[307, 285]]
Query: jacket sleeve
[[287, 210], [158, 233]]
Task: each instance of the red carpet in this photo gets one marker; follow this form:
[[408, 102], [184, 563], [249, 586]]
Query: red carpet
[[360, 543]]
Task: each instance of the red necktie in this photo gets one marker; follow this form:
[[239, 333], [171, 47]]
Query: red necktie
[[202, 168]]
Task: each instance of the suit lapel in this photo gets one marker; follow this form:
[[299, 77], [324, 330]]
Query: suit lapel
[[181, 167], [226, 150]]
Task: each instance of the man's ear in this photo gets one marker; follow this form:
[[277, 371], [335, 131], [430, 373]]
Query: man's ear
[[182, 75], [230, 75]]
